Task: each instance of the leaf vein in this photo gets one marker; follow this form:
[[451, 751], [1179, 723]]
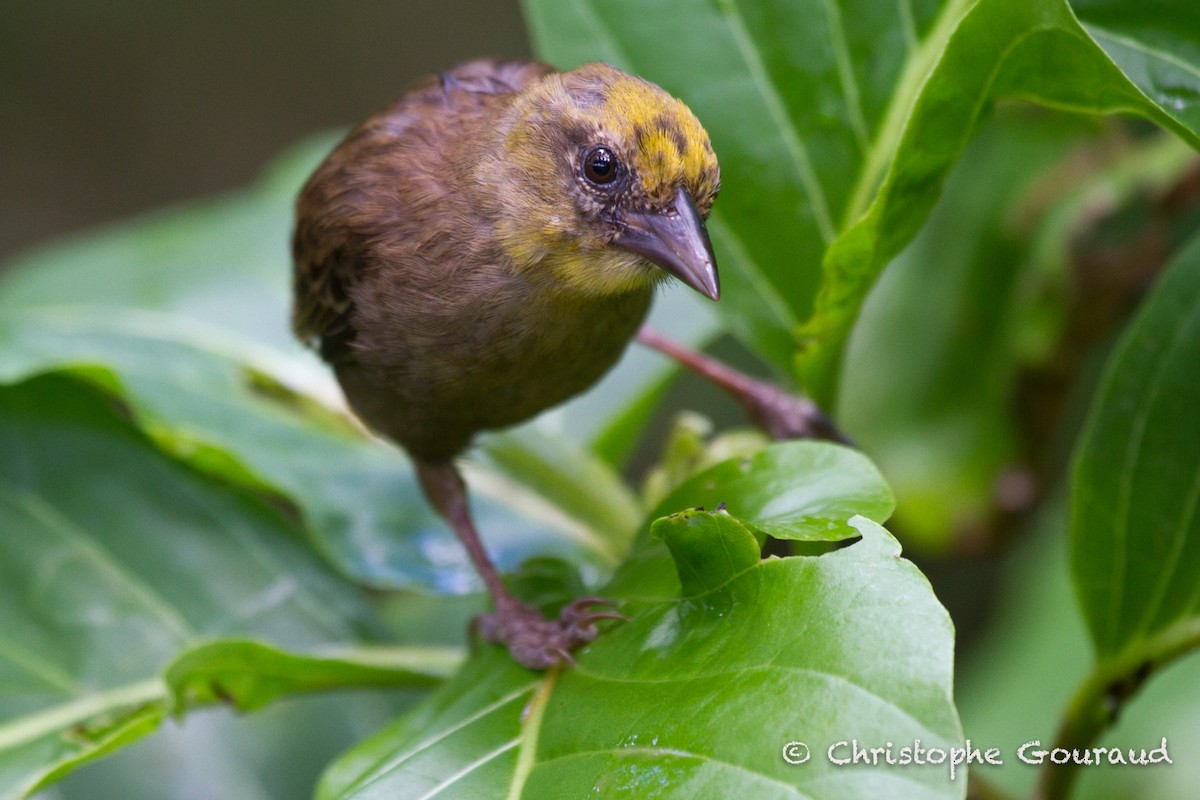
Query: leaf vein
[[1132, 456], [52, 720], [846, 75], [530, 731], [37, 666], [778, 112], [469, 768], [86, 546], [1187, 513]]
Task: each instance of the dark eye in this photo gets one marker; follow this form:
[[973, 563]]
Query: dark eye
[[600, 165]]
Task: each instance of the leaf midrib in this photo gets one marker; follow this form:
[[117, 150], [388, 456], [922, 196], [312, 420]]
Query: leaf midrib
[[37, 666], [1129, 467], [919, 64], [391, 764], [57, 718], [797, 150]]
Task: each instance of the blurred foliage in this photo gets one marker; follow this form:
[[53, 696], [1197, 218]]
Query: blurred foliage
[[192, 518]]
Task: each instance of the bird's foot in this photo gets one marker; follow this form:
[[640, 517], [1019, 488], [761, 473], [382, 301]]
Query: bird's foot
[[537, 642], [784, 415]]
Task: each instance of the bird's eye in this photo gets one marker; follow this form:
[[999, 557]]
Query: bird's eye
[[600, 165]]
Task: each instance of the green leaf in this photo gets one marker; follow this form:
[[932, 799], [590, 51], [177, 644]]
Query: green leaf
[[1157, 45], [836, 124], [115, 560], [277, 753], [218, 403], [688, 535], [37, 750], [248, 674], [766, 488], [567, 478], [847, 645], [465, 739], [1030, 49], [1135, 525]]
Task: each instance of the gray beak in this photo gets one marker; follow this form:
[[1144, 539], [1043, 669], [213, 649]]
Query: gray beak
[[677, 241]]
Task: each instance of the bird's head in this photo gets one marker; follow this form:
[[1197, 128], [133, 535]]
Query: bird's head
[[602, 181]]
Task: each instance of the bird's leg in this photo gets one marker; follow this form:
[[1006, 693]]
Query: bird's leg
[[781, 414], [533, 640]]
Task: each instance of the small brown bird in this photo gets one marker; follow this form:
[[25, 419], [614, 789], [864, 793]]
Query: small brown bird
[[485, 248]]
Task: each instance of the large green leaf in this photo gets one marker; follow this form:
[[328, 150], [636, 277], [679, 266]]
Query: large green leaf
[[215, 401], [116, 560], [274, 754], [1156, 44], [1030, 49], [836, 122], [1135, 533], [725, 659], [1135, 527]]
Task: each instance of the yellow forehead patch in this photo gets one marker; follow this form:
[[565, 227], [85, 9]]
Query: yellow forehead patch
[[662, 137], [659, 135]]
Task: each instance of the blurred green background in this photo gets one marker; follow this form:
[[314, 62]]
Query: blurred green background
[[109, 109]]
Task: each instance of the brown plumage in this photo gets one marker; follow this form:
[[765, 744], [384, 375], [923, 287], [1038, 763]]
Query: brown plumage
[[485, 248], [402, 277]]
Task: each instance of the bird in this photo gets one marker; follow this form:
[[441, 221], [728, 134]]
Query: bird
[[485, 248]]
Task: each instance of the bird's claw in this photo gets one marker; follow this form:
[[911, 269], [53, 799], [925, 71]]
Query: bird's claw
[[537, 642], [577, 615]]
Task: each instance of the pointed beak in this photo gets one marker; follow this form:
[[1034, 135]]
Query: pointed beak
[[677, 241]]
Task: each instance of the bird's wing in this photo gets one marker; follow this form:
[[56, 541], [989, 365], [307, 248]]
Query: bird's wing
[[324, 273], [329, 242]]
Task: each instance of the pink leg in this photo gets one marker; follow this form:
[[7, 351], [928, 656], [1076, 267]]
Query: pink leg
[[533, 640]]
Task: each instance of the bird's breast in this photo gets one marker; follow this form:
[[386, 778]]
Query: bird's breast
[[554, 346], [431, 374]]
